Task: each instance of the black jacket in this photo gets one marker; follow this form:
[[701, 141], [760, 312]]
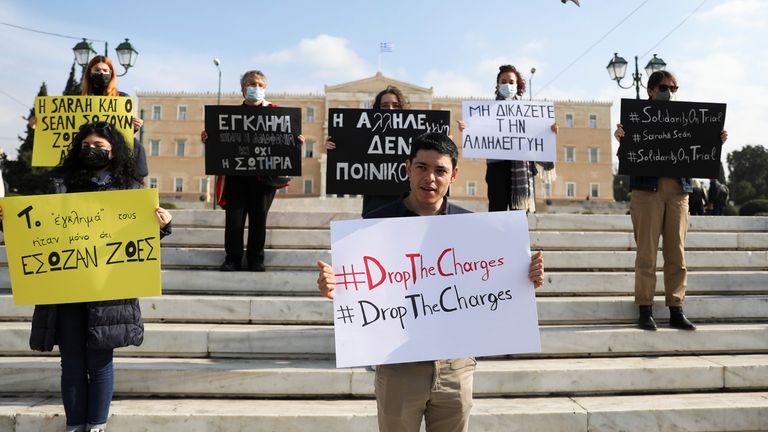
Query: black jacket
[[111, 324], [398, 209]]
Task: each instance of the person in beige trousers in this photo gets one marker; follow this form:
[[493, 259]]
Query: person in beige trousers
[[659, 207]]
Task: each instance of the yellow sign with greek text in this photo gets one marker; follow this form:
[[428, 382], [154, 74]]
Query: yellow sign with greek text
[[60, 117], [78, 247]]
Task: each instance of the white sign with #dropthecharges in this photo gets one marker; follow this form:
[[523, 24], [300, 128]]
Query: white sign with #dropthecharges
[[509, 130], [432, 287]]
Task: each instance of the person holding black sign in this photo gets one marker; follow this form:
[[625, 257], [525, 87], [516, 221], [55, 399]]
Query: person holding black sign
[[659, 207], [510, 183], [391, 98], [87, 333], [247, 196], [440, 392], [100, 79]]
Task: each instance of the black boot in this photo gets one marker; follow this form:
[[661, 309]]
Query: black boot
[[646, 321], [678, 320]]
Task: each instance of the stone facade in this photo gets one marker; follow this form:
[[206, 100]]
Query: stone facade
[[173, 122]]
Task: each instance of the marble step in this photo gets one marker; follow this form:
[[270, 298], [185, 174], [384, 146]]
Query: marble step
[[192, 257], [318, 310], [554, 260], [544, 222], [701, 412], [195, 257], [548, 240], [320, 378], [557, 283], [316, 341]]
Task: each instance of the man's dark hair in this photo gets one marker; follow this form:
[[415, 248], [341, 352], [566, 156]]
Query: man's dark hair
[[436, 141]]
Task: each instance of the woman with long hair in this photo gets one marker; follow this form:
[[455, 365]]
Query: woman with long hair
[[510, 183], [100, 79], [391, 98], [87, 333]]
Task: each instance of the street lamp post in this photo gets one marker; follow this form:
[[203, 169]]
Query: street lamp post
[[126, 54], [217, 63], [530, 84], [617, 68]]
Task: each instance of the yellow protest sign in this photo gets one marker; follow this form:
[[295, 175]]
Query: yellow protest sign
[[77, 247], [60, 117]]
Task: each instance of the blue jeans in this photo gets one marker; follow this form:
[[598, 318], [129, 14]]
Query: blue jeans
[[87, 375]]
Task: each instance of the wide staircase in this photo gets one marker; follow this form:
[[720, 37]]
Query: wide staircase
[[254, 351]]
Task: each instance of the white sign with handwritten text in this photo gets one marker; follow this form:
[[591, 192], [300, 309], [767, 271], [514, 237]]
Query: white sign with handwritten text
[[509, 130], [432, 287]]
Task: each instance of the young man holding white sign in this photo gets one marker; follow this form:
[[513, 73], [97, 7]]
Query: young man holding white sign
[[438, 391]]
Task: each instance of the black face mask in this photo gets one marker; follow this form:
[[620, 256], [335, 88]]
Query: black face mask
[[99, 81], [94, 158]]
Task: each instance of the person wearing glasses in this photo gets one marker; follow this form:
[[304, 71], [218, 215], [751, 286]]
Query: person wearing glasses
[[99, 79], [510, 183], [246, 196], [391, 98], [87, 333], [659, 207]]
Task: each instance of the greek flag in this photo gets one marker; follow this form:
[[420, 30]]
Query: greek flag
[[386, 47]]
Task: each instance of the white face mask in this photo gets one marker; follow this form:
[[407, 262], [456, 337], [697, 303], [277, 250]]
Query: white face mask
[[508, 90], [255, 94], [662, 95]]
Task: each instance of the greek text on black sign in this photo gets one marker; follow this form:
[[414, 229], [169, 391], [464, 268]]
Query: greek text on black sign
[[671, 139], [372, 147], [249, 141]]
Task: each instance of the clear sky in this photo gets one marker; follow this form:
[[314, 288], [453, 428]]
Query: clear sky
[[718, 53]]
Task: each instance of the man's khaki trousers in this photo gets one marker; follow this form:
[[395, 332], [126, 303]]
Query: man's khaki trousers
[[665, 213], [438, 391]]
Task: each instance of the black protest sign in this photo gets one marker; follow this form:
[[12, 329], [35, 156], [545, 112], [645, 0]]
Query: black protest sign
[[248, 141], [671, 139], [372, 147]]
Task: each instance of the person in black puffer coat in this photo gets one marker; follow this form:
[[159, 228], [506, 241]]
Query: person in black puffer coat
[[87, 333]]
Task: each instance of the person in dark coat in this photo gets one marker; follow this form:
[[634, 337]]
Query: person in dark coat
[[511, 183], [247, 196], [87, 333], [698, 199], [100, 79]]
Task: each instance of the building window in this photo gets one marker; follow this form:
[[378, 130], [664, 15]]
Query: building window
[[593, 121], [181, 112], [547, 188], [153, 182], [569, 120], [570, 153], [309, 148], [181, 146], [155, 112], [570, 190], [308, 186], [310, 114], [471, 188], [282, 191], [203, 184], [154, 147], [178, 184], [594, 190], [594, 154]]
